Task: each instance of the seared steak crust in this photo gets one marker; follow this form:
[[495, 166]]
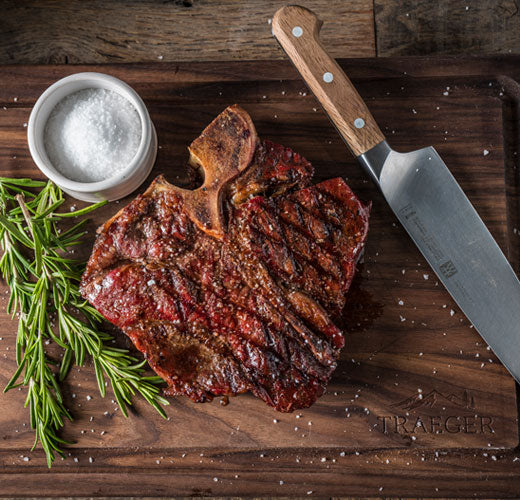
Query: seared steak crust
[[253, 311]]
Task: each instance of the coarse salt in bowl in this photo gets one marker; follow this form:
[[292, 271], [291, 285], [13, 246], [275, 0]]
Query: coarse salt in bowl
[[92, 164]]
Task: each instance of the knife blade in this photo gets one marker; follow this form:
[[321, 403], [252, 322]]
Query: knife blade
[[421, 191]]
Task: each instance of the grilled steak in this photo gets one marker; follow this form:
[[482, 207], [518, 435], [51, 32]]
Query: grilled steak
[[250, 308]]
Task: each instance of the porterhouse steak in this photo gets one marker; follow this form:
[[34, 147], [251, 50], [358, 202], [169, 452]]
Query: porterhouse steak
[[241, 294]]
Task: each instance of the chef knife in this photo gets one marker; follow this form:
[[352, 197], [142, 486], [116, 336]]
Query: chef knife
[[421, 191]]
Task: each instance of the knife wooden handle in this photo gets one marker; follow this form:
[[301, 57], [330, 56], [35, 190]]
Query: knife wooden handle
[[297, 30]]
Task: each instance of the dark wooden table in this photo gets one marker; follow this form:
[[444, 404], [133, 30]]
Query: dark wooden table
[[99, 31]]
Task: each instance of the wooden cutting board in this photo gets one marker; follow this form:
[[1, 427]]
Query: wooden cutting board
[[416, 390]]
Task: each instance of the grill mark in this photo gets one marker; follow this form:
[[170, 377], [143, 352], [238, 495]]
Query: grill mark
[[317, 370], [308, 283], [318, 208], [304, 228], [304, 274], [318, 343], [286, 227], [251, 372], [267, 253]]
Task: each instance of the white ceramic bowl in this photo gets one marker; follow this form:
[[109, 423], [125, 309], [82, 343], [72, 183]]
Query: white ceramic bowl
[[112, 188]]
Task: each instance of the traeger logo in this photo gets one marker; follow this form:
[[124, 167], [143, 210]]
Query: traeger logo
[[433, 413]]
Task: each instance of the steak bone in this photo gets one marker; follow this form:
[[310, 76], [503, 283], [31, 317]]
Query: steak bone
[[223, 150]]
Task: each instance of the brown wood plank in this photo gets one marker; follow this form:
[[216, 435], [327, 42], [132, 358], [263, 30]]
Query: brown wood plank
[[422, 27], [145, 455], [143, 31], [417, 475]]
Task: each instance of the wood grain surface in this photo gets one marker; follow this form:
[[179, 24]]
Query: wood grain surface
[[58, 31], [75, 31], [421, 27], [372, 433]]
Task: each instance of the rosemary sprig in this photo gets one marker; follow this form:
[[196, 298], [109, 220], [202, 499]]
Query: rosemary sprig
[[44, 285]]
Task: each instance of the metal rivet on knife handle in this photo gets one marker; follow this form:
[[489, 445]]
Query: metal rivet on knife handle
[[340, 99], [297, 31]]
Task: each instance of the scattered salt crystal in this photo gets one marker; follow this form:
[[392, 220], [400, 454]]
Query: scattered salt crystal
[[414, 112], [426, 276], [275, 421], [150, 282], [402, 318], [281, 482], [92, 134], [15, 99], [485, 152], [446, 93], [452, 312], [160, 58], [89, 398], [215, 479], [90, 459], [401, 303]]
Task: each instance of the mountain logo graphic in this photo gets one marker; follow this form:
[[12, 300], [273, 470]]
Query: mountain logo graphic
[[435, 398]]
